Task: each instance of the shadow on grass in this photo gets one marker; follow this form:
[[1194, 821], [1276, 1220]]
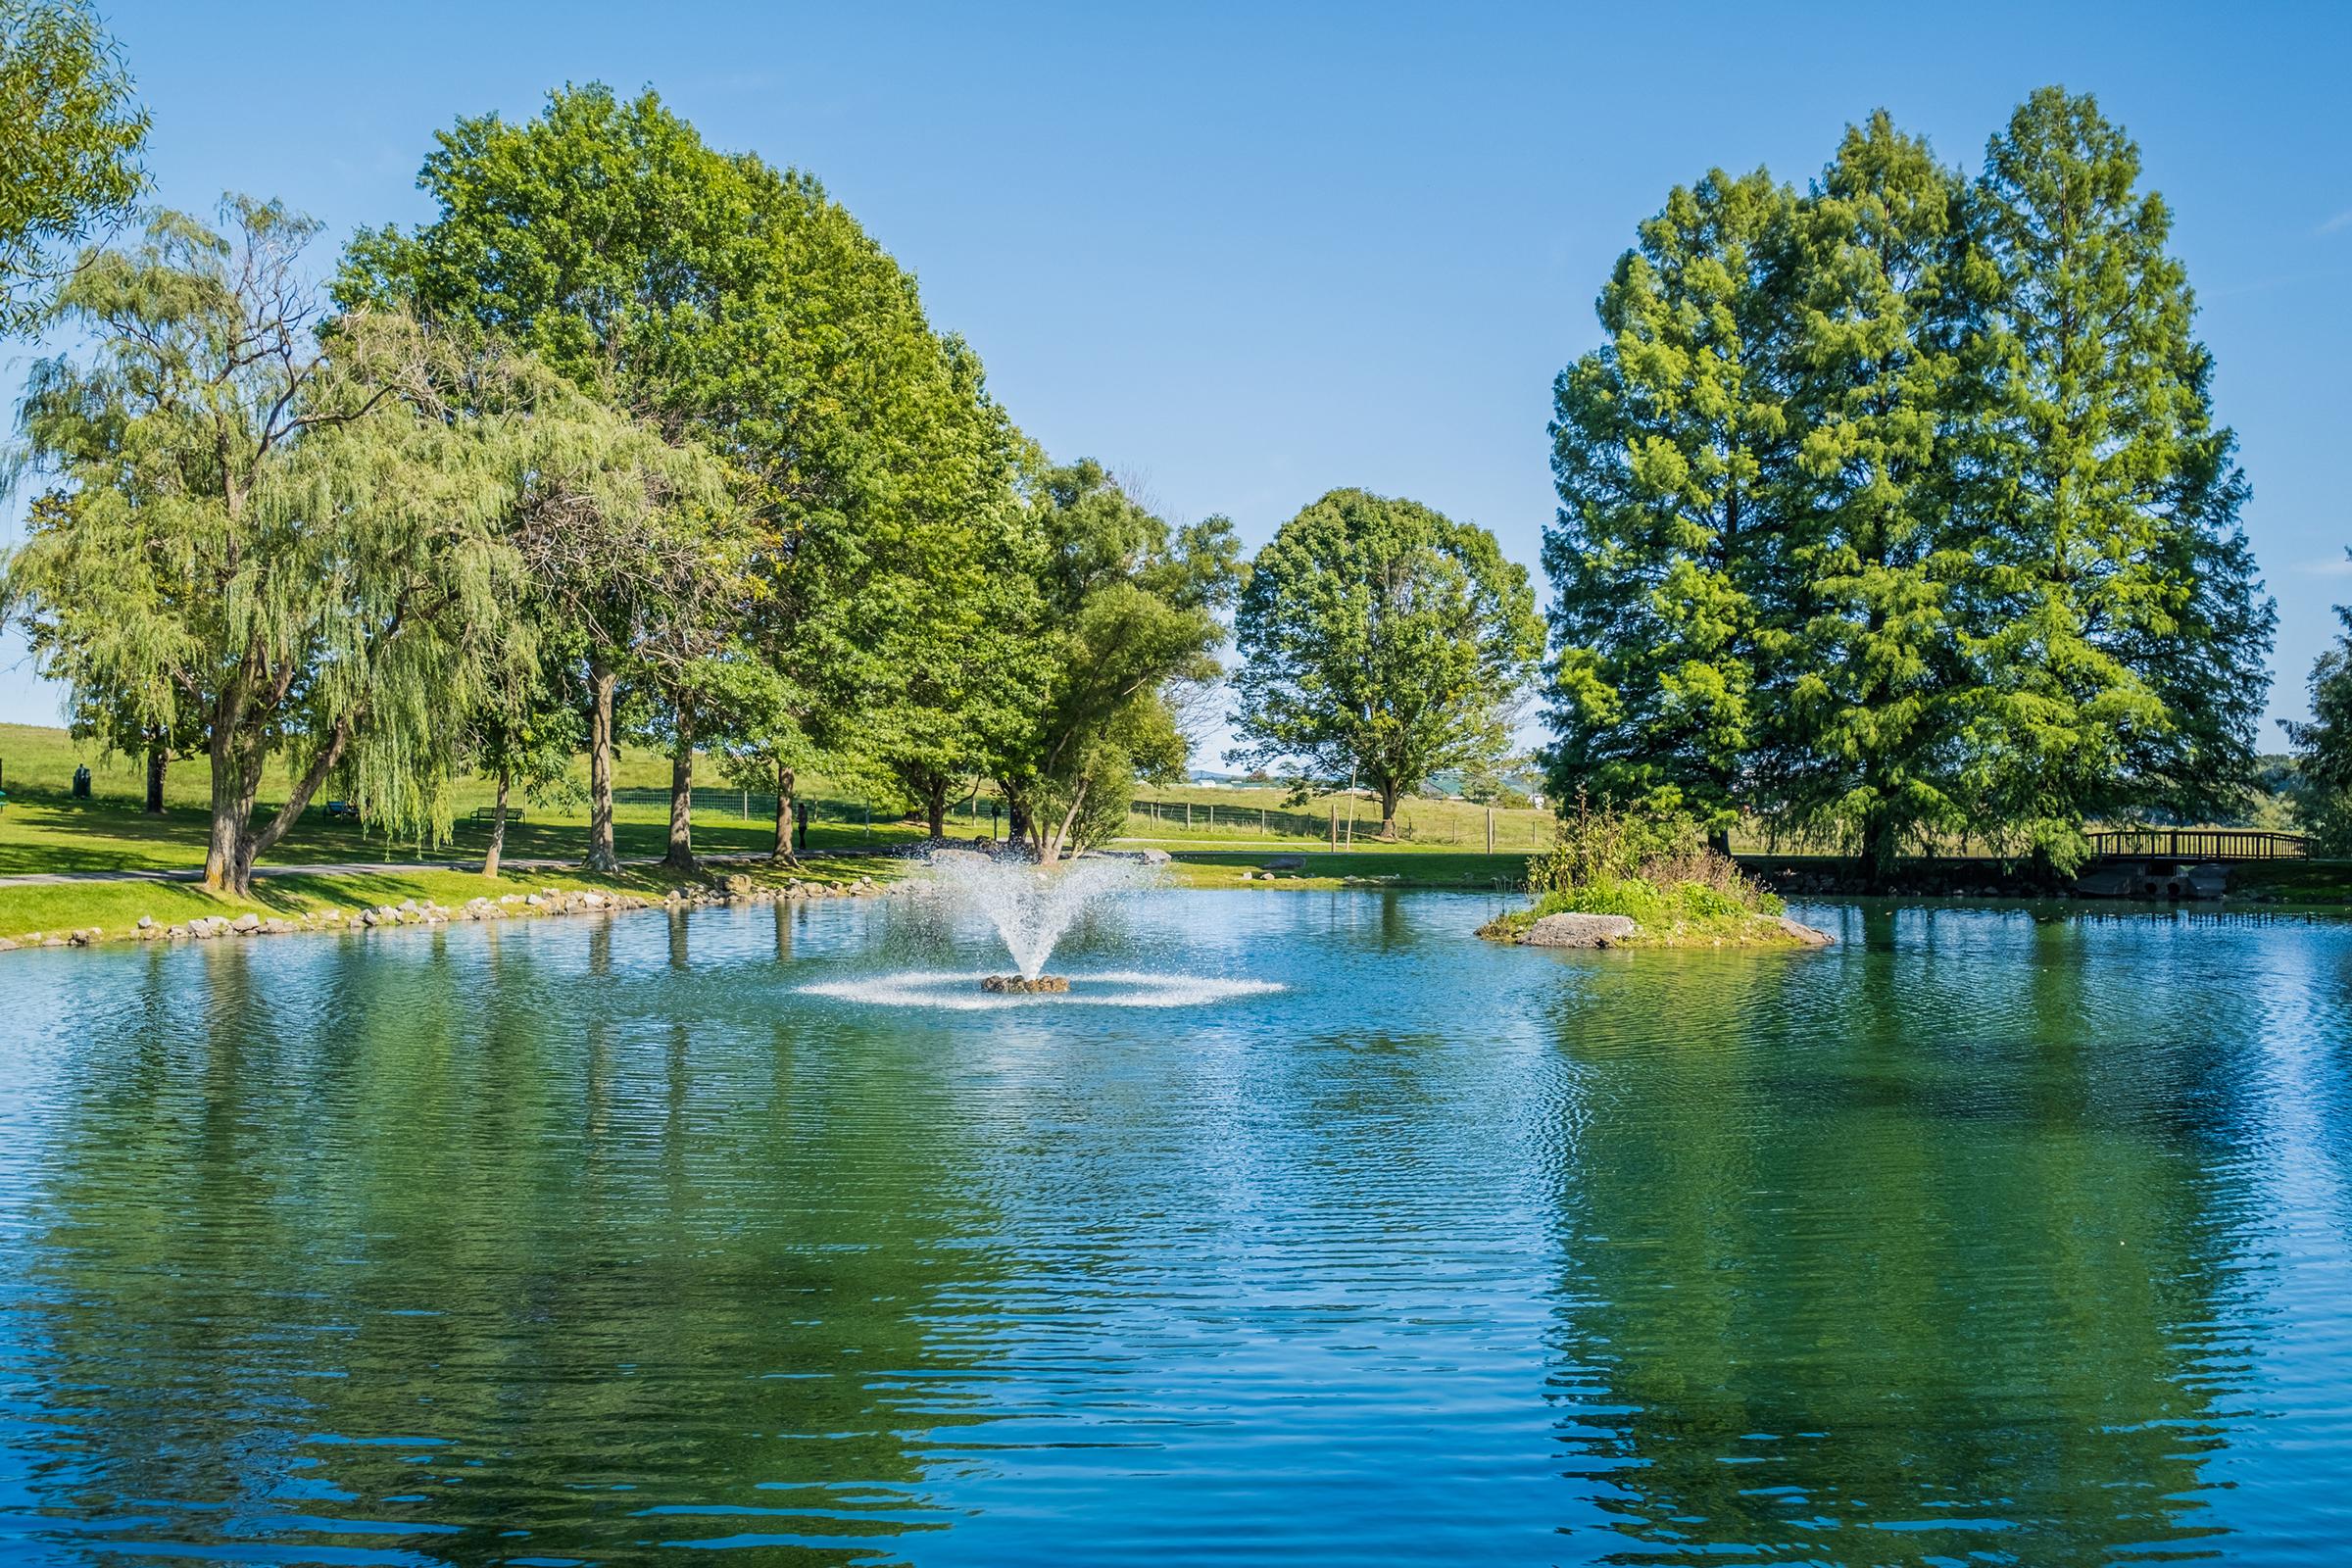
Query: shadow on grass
[[43, 833]]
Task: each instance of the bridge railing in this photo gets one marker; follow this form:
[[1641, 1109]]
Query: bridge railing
[[2197, 844]]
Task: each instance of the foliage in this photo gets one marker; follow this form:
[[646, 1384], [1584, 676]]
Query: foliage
[[734, 305], [1655, 869], [2322, 756], [1382, 641], [1900, 504], [2123, 634], [1863, 740], [1669, 445], [298, 547], [1126, 613], [70, 161]]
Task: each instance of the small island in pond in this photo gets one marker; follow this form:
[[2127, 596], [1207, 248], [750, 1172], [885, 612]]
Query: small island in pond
[[1621, 879]]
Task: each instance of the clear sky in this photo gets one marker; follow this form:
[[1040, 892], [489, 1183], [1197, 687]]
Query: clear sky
[[1251, 253]]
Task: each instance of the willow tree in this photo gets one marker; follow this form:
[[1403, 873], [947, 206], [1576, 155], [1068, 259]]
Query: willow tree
[[70, 160], [1381, 640], [289, 537], [1670, 442], [2125, 635]]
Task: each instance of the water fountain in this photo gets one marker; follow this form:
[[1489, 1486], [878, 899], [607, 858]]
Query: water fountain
[[1031, 908]]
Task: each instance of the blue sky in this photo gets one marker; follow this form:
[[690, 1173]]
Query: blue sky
[[1248, 254]]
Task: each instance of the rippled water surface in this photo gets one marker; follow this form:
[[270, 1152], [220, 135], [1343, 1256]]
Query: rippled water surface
[[1976, 1240]]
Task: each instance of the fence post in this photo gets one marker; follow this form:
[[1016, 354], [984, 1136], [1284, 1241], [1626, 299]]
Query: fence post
[[1335, 830], [1489, 830]]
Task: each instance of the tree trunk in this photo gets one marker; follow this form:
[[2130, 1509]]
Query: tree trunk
[[1719, 839], [935, 805], [498, 830], [1877, 854], [681, 797], [246, 844], [1388, 812], [155, 779], [1049, 842], [601, 853], [784, 783], [233, 789]]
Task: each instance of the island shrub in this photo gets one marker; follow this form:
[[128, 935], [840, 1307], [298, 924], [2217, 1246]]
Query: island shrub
[[1654, 869]]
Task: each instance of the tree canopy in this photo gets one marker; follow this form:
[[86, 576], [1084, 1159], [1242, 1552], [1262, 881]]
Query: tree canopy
[[1125, 610], [69, 162], [282, 542], [1381, 640], [1898, 507]]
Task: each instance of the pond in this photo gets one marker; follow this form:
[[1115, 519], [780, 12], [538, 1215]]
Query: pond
[[1328, 1234]]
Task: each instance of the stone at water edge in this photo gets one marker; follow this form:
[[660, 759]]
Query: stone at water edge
[[1574, 930], [1809, 935], [1045, 985]]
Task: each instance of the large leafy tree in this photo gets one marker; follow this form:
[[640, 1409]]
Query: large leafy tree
[[732, 304], [2123, 634], [1381, 640], [1670, 442], [68, 161], [288, 543], [1900, 506], [1864, 746], [2324, 748], [1126, 612]]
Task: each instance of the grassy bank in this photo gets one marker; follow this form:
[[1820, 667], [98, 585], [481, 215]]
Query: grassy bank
[[1415, 868], [116, 908]]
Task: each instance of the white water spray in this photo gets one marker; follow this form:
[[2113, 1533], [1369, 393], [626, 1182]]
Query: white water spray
[[1030, 905]]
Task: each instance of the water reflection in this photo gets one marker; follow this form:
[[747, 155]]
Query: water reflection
[[1980, 1238]]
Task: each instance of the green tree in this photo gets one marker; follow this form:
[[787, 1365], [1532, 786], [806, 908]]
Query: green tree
[[1381, 640], [629, 540], [1127, 618], [70, 160], [1668, 444], [150, 721], [2123, 634], [2322, 775], [1863, 741], [729, 303], [298, 545]]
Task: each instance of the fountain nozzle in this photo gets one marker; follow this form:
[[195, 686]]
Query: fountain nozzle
[[1023, 986]]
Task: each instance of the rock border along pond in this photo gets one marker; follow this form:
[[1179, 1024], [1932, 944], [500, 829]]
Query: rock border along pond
[[546, 903]]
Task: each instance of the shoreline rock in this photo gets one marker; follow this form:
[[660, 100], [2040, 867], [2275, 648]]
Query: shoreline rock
[[722, 889], [1572, 930]]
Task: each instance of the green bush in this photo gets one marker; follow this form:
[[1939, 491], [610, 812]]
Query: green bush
[[1658, 872]]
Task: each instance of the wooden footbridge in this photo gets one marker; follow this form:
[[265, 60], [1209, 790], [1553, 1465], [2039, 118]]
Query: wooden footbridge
[[2196, 844]]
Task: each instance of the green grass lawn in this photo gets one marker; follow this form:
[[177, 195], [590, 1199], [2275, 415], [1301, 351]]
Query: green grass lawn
[[1202, 816], [1426, 869], [44, 829]]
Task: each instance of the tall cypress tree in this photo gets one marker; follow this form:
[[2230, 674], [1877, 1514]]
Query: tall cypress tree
[[2125, 633], [1863, 742], [1668, 442]]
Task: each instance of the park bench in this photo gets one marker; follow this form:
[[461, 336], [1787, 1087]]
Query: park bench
[[489, 813]]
